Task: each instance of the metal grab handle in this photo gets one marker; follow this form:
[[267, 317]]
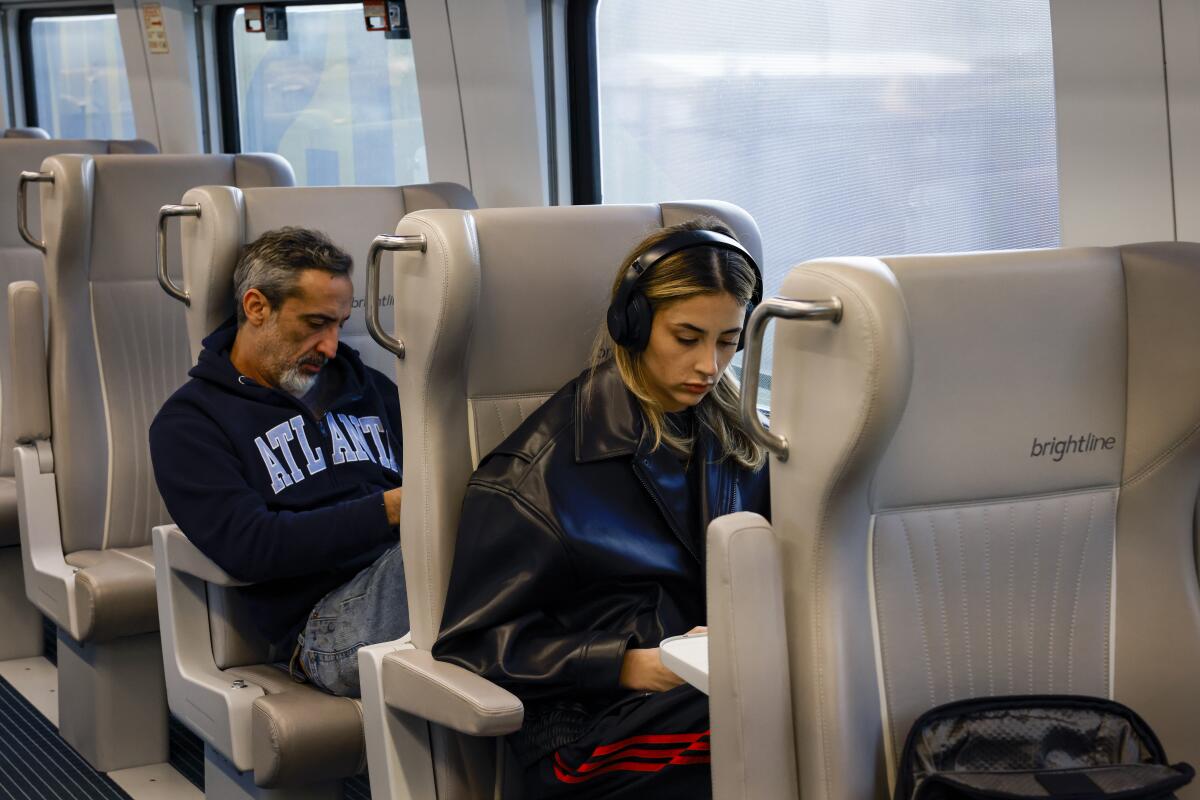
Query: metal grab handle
[[383, 242], [22, 214], [780, 308], [164, 280]]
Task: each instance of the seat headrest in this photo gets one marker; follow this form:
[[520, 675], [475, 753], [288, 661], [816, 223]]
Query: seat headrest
[[125, 192], [351, 216], [982, 324], [21, 153], [547, 275]]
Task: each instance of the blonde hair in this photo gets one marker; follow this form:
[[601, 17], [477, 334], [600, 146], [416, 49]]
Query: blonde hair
[[683, 274]]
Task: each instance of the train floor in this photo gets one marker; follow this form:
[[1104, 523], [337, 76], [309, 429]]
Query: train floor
[[36, 764]]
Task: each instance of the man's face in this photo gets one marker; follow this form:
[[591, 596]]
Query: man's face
[[301, 335]]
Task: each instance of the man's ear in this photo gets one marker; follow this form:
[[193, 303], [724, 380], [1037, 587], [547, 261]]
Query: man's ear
[[256, 306]]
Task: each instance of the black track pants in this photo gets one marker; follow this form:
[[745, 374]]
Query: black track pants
[[655, 746]]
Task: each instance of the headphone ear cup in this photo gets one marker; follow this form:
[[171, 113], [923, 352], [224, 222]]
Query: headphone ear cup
[[639, 320], [617, 328]]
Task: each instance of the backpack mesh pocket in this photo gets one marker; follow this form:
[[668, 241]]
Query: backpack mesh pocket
[[1011, 748]]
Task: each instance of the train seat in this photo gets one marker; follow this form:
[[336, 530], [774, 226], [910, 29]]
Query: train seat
[[991, 490], [21, 150], [500, 310], [85, 492], [262, 729]]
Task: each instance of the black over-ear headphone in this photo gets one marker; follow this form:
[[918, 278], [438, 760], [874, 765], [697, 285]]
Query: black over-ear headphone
[[630, 316]]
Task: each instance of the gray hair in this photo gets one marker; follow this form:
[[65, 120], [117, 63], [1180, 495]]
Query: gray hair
[[273, 262]]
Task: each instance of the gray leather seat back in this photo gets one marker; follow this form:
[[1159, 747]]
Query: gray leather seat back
[[500, 312], [1001, 554], [965, 538], [22, 150], [230, 217], [118, 346]]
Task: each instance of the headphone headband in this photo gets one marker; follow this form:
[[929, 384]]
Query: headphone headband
[[630, 315]]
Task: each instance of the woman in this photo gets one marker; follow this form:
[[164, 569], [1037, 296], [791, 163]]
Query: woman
[[581, 544]]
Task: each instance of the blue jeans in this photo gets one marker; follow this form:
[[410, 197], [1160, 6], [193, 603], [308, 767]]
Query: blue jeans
[[371, 607]]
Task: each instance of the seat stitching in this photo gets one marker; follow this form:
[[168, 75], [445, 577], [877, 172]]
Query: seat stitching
[[1162, 458], [927, 647], [999, 500], [1012, 593], [987, 591], [941, 593], [1058, 558], [500, 421], [1108, 588], [1037, 546], [966, 617], [1087, 538]]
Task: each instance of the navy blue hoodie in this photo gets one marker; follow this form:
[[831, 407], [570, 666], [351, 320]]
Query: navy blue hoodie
[[272, 494]]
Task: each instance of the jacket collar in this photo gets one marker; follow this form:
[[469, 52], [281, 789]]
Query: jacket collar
[[609, 424], [608, 416]]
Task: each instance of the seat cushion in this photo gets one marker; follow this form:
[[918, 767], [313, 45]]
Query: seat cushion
[[300, 734], [114, 592]]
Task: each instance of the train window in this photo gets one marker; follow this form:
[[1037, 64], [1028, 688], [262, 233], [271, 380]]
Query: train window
[[337, 101], [75, 82], [866, 128]]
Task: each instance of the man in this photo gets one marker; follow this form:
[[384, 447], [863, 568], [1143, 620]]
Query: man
[[280, 460]]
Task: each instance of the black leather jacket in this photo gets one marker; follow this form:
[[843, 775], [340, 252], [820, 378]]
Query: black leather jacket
[[576, 542]]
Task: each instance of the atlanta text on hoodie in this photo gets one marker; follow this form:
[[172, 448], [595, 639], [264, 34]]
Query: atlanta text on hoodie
[[273, 492]]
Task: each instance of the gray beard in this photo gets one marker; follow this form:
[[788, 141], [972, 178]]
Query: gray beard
[[296, 383]]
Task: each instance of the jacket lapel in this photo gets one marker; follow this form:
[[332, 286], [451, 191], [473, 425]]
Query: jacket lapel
[[609, 424], [663, 476]]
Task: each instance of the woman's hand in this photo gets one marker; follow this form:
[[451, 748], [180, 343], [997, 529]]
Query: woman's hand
[[643, 670]]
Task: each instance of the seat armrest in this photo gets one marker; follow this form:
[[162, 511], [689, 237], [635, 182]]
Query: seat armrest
[[216, 706], [446, 694], [399, 752], [116, 598], [49, 579], [183, 556], [749, 682], [27, 391]]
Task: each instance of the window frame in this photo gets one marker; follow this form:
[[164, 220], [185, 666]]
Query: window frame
[[231, 127], [227, 83], [25, 18], [227, 79], [584, 106]]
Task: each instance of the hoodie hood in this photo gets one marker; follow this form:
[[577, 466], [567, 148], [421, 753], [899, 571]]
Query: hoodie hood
[[215, 366]]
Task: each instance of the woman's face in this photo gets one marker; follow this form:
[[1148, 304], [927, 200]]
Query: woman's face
[[691, 343]]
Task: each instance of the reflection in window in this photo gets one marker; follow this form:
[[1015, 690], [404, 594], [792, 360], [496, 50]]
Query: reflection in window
[[337, 101], [871, 128], [80, 85]]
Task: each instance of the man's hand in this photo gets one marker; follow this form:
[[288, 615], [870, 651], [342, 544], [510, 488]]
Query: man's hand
[[391, 502], [643, 670]]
